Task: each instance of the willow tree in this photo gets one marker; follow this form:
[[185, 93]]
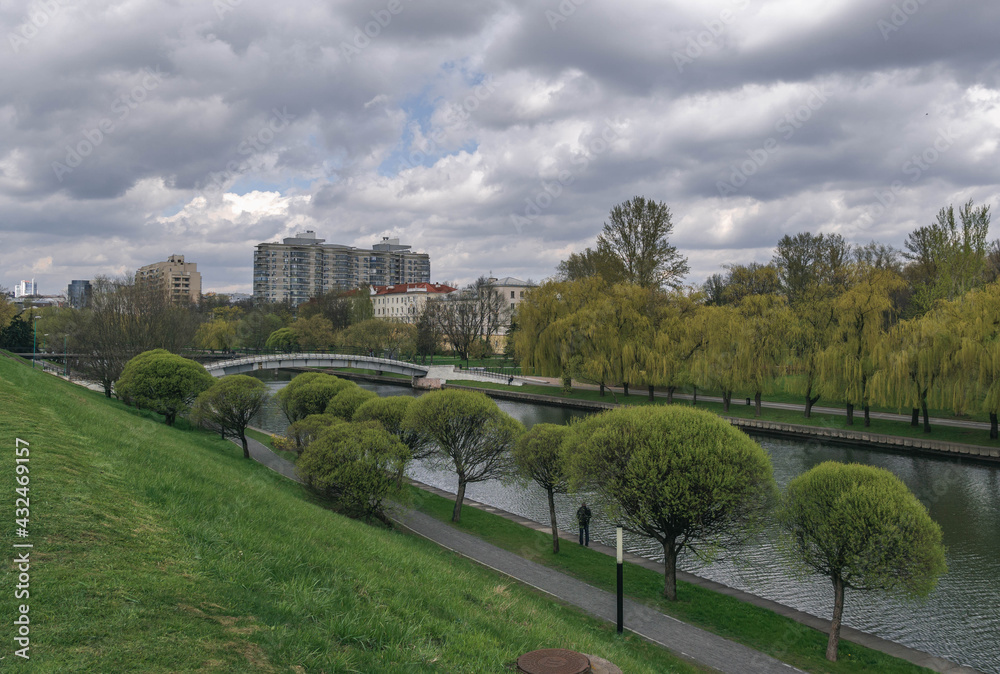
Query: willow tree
[[978, 355], [541, 342], [863, 314], [678, 337], [862, 528], [685, 477], [917, 362], [716, 365], [764, 323]]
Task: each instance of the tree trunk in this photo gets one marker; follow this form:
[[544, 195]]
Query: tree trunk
[[694, 396], [838, 611], [456, 514], [107, 388], [850, 414], [651, 394], [625, 388], [169, 418], [552, 518], [670, 394], [246, 448], [868, 418], [756, 402], [993, 425], [602, 389], [669, 571], [915, 416], [726, 399], [809, 405], [927, 421]]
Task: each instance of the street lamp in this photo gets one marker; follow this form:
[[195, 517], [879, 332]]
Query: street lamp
[[34, 341]]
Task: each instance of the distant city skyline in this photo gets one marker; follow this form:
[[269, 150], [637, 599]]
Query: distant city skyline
[[490, 134]]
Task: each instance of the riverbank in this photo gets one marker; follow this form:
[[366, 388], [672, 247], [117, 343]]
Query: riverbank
[[828, 434]]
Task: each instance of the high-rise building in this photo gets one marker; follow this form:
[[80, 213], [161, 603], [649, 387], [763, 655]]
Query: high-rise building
[[304, 266], [78, 294], [25, 289], [180, 280]]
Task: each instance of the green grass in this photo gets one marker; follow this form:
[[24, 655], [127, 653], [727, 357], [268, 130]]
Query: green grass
[[161, 549], [755, 627], [979, 437]]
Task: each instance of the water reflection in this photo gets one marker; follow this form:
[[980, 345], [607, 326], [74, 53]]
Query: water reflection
[[959, 621]]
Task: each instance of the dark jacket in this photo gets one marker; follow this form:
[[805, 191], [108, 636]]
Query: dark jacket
[[583, 515]]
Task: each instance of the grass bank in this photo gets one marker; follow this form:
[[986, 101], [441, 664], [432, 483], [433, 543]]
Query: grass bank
[[979, 437], [161, 549], [755, 627]]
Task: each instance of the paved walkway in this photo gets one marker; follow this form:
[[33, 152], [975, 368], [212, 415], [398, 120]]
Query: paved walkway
[[679, 637]]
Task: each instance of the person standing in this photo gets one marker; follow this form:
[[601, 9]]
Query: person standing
[[583, 517]]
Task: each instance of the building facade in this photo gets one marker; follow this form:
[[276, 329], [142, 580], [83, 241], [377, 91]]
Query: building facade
[[513, 291], [180, 280], [78, 294], [405, 302], [304, 266], [25, 289]]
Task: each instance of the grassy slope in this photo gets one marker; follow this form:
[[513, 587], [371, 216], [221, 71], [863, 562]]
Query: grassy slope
[[758, 628], [978, 437], [160, 549]]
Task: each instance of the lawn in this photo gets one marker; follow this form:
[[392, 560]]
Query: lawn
[[161, 549], [758, 628]]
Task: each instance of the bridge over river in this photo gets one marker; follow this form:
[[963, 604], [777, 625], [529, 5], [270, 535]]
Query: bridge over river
[[296, 360]]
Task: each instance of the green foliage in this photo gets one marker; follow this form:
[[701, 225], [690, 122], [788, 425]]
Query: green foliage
[[282, 339], [390, 411], [314, 333], [358, 465], [255, 327], [17, 334], [309, 393], [539, 456], [682, 476], [347, 401], [231, 403], [861, 527], [217, 334], [163, 382], [304, 431], [474, 437]]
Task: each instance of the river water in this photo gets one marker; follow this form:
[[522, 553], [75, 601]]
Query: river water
[[959, 621]]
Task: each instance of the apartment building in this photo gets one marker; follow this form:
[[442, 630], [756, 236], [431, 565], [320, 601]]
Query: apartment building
[[405, 302], [512, 290], [180, 280], [78, 294], [305, 266]]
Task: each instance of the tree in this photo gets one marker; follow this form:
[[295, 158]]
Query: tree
[[16, 336], [347, 401], [592, 264], [863, 529], [358, 465], [948, 258], [231, 403], [978, 355], [863, 314], [218, 334], [7, 310], [282, 339], [747, 280], [428, 337], [313, 333], [307, 429], [538, 456], [309, 393], [478, 311], [667, 358], [682, 476], [255, 327], [807, 262], [761, 343], [474, 437], [163, 382], [637, 234], [715, 365], [390, 412]]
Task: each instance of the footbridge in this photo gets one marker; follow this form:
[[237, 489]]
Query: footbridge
[[290, 360]]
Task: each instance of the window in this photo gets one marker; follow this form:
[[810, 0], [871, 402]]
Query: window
[[512, 294]]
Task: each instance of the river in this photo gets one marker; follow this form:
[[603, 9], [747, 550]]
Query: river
[[960, 620]]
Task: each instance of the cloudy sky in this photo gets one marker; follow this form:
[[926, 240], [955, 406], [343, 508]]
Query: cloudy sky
[[494, 135]]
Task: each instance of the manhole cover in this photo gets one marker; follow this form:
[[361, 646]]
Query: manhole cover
[[553, 661]]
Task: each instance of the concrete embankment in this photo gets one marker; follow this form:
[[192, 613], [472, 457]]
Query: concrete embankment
[[824, 434]]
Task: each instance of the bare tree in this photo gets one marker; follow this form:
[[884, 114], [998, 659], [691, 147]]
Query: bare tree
[[476, 312]]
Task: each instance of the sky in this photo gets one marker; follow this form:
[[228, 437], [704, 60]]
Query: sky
[[494, 135]]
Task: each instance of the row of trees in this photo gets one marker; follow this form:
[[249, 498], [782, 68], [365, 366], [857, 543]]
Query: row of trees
[[830, 315], [681, 476]]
